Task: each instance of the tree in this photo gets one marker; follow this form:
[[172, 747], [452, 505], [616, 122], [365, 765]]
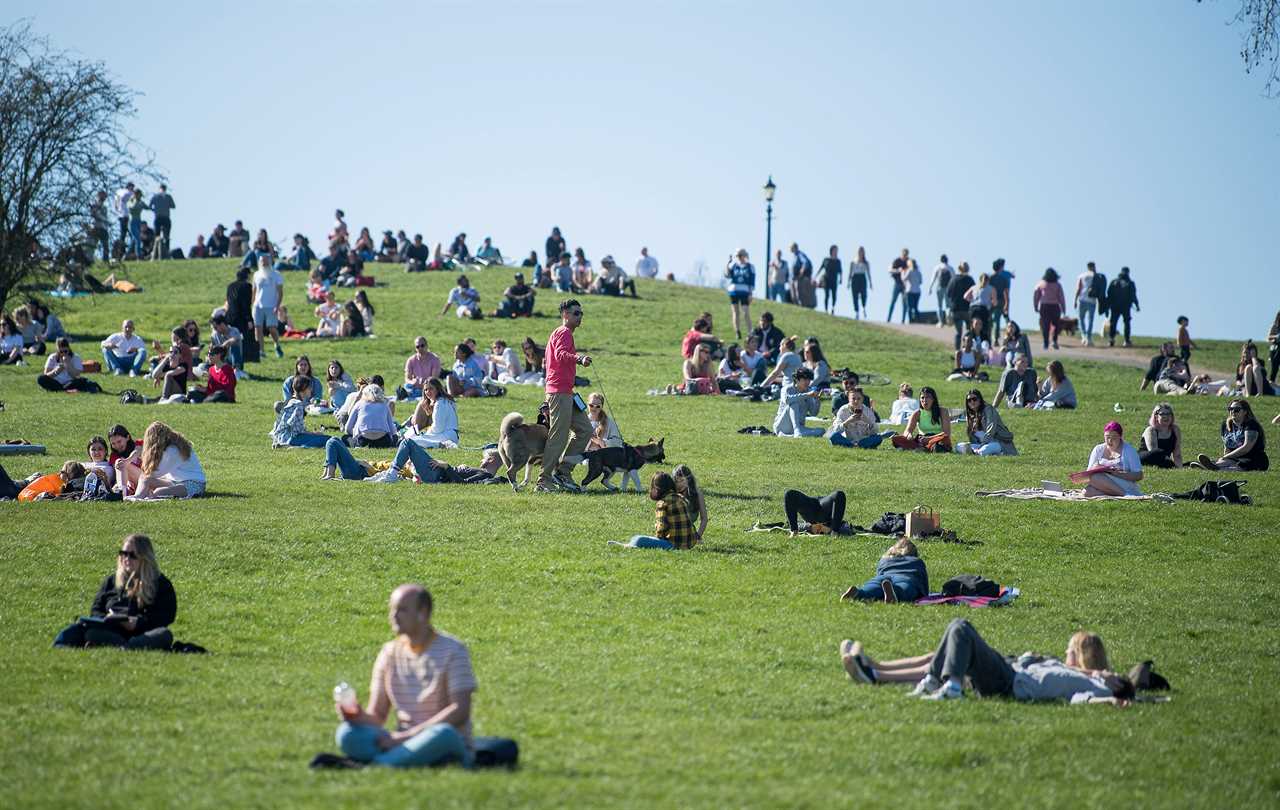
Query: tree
[[62, 139], [1261, 42]]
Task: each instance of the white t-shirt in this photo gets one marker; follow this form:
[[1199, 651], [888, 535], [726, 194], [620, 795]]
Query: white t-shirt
[[647, 267], [63, 377], [751, 359], [1085, 285], [1128, 462], [175, 469], [510, 362], [902, 409], [265, 284], [122, 345]]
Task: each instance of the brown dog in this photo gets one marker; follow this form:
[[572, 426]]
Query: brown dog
[[520, 445]]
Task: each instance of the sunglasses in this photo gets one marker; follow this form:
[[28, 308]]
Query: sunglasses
[[129, 555], [1235, 409]]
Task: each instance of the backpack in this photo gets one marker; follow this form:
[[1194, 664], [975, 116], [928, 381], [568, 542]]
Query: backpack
[[1098, 287], [970, 585], [495, 752], [1217, 492], [130, 397], [890, 523]]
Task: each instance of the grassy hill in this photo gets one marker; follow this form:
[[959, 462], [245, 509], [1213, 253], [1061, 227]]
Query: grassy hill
[[705, 678]]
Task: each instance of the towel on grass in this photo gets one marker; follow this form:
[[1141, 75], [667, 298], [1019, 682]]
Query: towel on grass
[[1007, 595], [1036, 493]]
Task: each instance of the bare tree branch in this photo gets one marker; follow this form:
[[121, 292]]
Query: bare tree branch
[[1260, 43]]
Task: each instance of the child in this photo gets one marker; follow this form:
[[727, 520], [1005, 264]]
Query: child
[[672, 526], [1185, 343], [900, 577], [222, 379]]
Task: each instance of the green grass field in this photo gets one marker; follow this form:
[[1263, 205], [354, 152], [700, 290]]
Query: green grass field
[[706, 678]]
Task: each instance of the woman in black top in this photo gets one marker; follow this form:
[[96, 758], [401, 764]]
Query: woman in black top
[[830, 273], [555, 246], [1244, 442], [133, 608], [1162, 440]]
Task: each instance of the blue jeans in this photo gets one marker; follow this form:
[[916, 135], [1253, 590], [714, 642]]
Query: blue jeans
[[123, 363], [898, 292], [904, 588], [1087, 310], [235, 353], [440, 744], [309, 440], [411, 451], [777, 292], [942, 306], [337, 455], [649, 541], [135, 237], [866, 442]]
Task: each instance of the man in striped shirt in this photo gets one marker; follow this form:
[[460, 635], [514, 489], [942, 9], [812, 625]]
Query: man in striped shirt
[[426, 676]]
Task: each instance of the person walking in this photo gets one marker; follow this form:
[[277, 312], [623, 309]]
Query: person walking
[[897, 273], [120, 203], [1086, 302], [569, 427], [1122, 296], [1002, 282], [913, 278], [938, 285], [957, 297], [829, 277], [742, 280], [860, 282], [161, 205], [779, 278], [1049, 300]]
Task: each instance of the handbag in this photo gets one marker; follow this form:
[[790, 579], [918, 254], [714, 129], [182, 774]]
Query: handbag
[[923, 522]]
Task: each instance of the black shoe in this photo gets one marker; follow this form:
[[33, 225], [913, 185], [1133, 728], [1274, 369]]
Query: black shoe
[[334, 761]]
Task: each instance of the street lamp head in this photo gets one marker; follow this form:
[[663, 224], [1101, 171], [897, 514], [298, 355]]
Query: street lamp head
[[769, 189]]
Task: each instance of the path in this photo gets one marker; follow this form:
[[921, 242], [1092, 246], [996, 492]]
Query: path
[[1070, 347]]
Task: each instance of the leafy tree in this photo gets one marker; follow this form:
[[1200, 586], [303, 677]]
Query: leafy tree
[[62, 139]]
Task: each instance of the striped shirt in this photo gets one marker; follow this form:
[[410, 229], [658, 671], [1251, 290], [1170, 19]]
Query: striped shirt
[[421, 685]]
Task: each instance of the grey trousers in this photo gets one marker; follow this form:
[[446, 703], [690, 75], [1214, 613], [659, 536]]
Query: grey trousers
[[962, 653]]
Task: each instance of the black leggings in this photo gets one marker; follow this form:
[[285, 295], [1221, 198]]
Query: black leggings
[[8, 489], [1156, 458], [829, 295], [50, 384], [828, 511]]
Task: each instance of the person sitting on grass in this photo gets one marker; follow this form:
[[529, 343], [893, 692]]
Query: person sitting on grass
[[172, 373], [302, 368], [1251, 374], [170, 468], [10, 341], [465, 299], [901, 576], [338, 384], [370, 422], [330, 315], [687, 488], [1056, 390], [417, 256], [1157, 364], [673, 526], [1161, 444], [1013, 343], [125, 459], [905, 405], [968, 360], [63, 369], [613, 279], [435, 419], [700, 334], [1244, 442], [986, 431], [517, 300], [1175, 378], [504, 363], [124, 351], [963, 656], [1018, 385], [732, 374], [352, 321], [221, 385], [927, 429], [788, 361], [290, 429], [488, 253], [698, 372], [419, 367], [366, 310], [1123, 467], [854, 424], [425, 676], [467, 376], [793, 407], [816, 361], [224, 334], [604, 431], [133, 608]]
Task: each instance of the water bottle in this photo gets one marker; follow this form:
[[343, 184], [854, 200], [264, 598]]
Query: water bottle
[[345, 698]]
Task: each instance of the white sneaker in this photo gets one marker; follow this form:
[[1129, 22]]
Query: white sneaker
[[948, 691], [928, 684], [118, 372], [133, 372]]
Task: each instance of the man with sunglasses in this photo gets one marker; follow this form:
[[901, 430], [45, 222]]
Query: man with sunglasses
[[569, 428]]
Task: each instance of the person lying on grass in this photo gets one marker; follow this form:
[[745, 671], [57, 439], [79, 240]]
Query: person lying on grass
[[1244, 442], [290, 429], [962, 655], [1123, 468], [820, 515], [987, 433], [901, 576], [170, 468], [927, 429], [134, 606], [423, 674], [339, 462]]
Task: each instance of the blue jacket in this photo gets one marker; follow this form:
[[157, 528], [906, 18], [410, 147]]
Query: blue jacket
[[905, 567], [317, 390]]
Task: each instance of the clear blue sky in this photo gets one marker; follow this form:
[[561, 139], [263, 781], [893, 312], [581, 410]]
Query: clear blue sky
[[1049, 134]]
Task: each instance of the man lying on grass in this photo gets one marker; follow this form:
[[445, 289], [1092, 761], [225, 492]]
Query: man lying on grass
[[426, 676], [1084, 677]]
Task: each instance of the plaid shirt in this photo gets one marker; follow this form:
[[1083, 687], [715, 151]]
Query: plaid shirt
[[673, 523]]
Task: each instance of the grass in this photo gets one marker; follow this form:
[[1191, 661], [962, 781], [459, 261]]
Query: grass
[[706, 678]]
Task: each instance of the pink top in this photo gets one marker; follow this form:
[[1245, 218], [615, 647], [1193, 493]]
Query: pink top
[[561, 361], [1049, 292], [417, 368]]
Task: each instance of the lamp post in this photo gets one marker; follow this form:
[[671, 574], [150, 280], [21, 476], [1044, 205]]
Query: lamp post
[[769, 189]]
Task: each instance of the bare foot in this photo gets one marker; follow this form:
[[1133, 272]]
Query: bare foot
[[887, 587]]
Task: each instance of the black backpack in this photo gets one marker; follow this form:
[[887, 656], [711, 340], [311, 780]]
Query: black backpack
[[496, 752], [892, 523], [1098, 287], [970, 585], [130, 397], [1217, 492]]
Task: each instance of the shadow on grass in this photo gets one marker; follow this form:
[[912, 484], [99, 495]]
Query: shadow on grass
[[737, 496]]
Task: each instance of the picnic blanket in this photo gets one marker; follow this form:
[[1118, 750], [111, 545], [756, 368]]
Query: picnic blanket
[[1007, 595], [21, 449], [1036, 493]]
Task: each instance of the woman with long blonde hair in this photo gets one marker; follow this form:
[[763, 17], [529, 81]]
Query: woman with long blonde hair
[[134, 607], [170, 468]]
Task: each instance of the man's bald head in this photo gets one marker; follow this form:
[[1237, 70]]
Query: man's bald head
[[414, 594]]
